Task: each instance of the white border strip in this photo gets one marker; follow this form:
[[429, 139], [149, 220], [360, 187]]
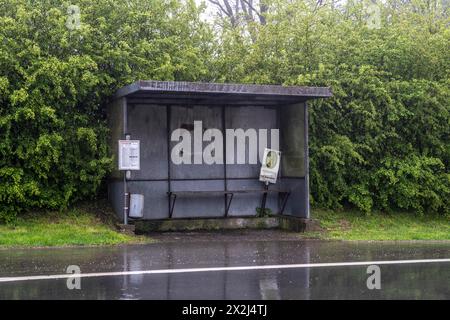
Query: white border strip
[[241, 268]]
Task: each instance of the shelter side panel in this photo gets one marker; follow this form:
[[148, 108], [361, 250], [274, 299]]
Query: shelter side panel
[[188, 145], [259, 125], [148, 123], [292, 123]]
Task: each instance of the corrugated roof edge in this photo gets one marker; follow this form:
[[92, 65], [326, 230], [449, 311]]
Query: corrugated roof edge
[[231, 88]]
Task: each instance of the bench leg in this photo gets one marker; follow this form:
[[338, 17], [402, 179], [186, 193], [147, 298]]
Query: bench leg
[[172, 204], [228, 203], [263, 203], [283, 203]]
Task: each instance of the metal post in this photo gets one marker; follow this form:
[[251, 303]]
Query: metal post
[[263, 204], [127, 137], [125, 199]]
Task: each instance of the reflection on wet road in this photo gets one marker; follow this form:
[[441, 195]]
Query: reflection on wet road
[[404, 281]]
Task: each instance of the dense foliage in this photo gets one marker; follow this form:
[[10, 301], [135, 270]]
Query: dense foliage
[[55, 77], [382, 142]]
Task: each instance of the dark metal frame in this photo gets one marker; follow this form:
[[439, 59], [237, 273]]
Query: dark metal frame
[[284, 194]]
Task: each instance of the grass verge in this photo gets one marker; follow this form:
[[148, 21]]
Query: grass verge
[[73, 227], [351, 225]]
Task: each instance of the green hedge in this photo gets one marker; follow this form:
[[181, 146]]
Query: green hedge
[[55, 79], [383, 147], [382, 142]]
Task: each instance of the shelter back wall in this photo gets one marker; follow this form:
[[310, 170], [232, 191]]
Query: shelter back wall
[[153, 124]]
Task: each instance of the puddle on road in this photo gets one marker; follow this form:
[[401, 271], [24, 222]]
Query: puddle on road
[[407, 281]]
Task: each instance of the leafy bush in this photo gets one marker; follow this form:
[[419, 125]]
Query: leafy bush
[[381, 144], [55, 78], [383, 140]]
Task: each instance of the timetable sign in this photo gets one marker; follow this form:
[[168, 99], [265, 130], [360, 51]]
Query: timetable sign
[[129, 155]]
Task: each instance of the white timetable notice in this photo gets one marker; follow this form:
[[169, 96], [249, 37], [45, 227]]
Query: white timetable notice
[[129, 155]]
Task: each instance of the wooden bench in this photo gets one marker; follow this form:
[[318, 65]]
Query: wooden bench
[[283, 193]]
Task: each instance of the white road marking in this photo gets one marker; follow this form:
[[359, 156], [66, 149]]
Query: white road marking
[[215, 269]]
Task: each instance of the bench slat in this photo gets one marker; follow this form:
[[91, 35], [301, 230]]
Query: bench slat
[[227, 191], [173, 196]]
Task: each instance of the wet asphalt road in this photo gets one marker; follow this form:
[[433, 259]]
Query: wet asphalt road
[[229, 249]]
